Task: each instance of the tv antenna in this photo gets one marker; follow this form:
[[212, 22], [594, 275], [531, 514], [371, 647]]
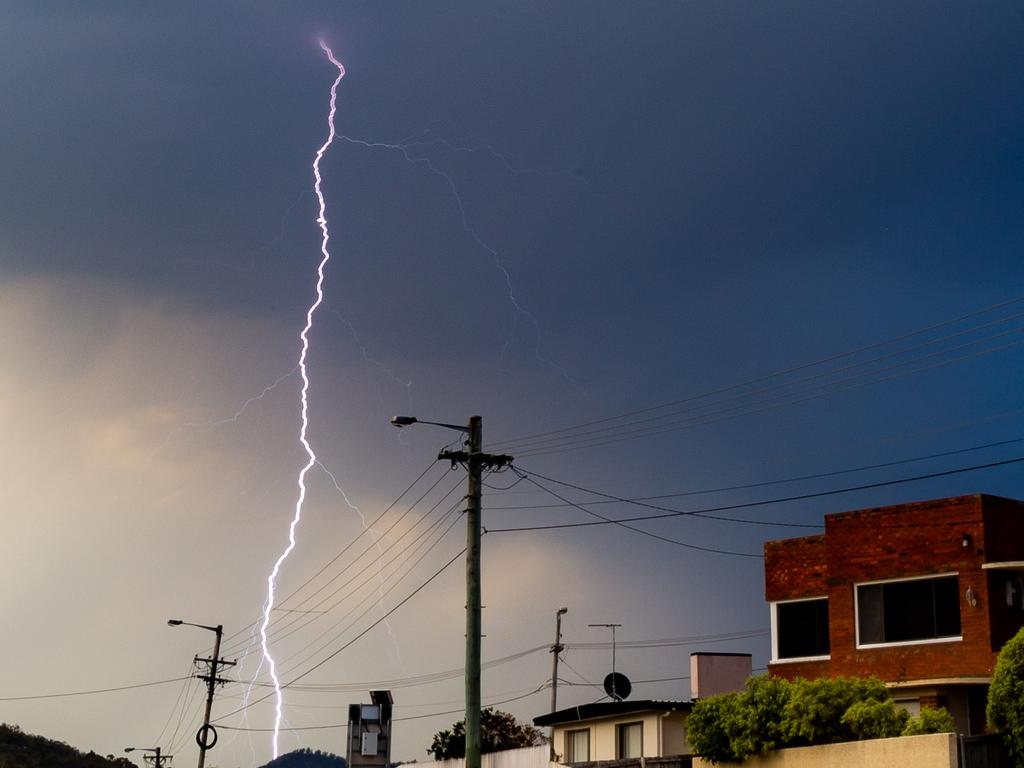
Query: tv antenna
[[616, 685]]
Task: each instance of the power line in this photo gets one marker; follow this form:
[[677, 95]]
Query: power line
[[304, 621], [659, 419], [323, 661], [308, 618], [764, 502], [776, 374], [662, 425], [639, 500], [671, 642], [410, 681], [394, 586], [93, 691], [536, 690], [659, 537], [354, 540], [177, 701]]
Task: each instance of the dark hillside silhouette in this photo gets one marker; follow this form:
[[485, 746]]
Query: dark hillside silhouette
[[307, 758], [24, 750]]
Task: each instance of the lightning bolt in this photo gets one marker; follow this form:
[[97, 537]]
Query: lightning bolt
[[304, 337]]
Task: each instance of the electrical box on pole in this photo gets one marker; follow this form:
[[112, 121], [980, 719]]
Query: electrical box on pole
[[369, 732]]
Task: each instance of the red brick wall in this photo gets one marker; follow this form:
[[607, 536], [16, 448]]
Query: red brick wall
[[1004, 529], [917, 539], [794, 568]]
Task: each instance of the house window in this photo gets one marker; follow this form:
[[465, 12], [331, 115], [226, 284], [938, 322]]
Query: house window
[[577, 746], [629, 740], [908, 611], [801, 629]]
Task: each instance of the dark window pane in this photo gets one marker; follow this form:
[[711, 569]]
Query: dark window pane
[[802, 629], [947, 607], [909, 611], [904, 611], [869, 610]]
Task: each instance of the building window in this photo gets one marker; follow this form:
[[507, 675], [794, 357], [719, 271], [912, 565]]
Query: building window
[[908, 611], [629, 740], [801, 629], [577, 746]]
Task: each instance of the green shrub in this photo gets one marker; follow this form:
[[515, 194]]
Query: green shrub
[[757, 724], [1006, 696], [772, 713], [875, 719], [707, 728], [814, 713], [930, 721], [734, 726]]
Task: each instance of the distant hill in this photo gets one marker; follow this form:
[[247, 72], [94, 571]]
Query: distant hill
[[23, 750], [307, 758]]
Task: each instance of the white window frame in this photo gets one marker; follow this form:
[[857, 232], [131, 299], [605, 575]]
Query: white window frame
[[775, 632], [927, 641]]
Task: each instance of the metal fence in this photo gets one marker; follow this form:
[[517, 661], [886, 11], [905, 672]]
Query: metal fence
[[986, 751]]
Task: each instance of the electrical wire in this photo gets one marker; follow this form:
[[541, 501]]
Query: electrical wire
[[177, 701], [94, 691], [659, 419], [506, 444], [394, 719], [347, 645], [347, 546], [295, 617], [662, 426], [638, 500], [621, 524], [352, 623], [765, 502], [303, 621]]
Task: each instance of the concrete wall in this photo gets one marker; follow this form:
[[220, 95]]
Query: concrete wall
[[937, 750], [527, 757]]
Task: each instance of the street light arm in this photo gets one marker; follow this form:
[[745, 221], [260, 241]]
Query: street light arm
[[406, 421], [180, 623]]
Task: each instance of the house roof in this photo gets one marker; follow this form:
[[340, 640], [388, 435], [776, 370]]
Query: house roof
[[610, 709]]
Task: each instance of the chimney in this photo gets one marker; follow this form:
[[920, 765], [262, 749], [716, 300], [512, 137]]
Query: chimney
[[715, 673]]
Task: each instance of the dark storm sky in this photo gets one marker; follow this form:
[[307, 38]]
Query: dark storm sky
[[684, 195]]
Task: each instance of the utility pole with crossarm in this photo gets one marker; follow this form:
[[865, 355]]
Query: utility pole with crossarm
[[475, 461]]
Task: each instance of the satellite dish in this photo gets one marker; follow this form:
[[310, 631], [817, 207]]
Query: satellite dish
[[617, 686]]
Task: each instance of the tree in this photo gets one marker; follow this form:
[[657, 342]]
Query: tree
[[498, 730], [1006, 696]]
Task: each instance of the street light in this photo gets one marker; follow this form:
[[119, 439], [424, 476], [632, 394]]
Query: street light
[[475, 461], [206, 736]]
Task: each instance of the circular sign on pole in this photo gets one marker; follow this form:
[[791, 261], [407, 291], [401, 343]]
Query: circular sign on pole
[[206, 737], [617, 686]]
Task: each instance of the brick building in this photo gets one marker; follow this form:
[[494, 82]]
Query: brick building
[[921, 595]]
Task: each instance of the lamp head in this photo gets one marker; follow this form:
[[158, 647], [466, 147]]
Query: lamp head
[[402, 421], [174, 622], [129, 749], [562, 610]]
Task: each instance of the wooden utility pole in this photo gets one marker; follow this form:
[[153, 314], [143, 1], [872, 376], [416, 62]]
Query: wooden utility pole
[[203, 736], [556, 649], [475, 461]]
